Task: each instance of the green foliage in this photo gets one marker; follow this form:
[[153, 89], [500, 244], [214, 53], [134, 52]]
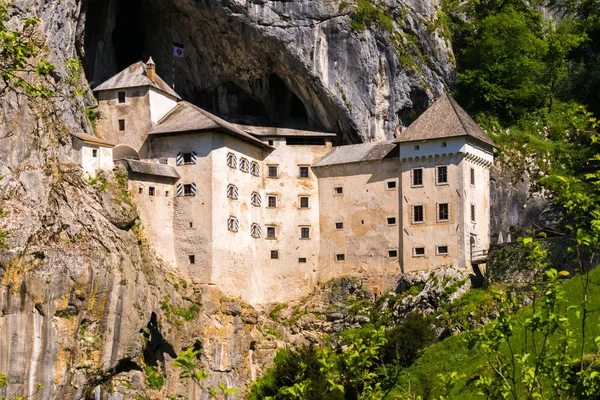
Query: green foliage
[[92, 116], [74, 77], [155, 379], [187, 314], [367, 13], [276, 310], [343, 5], [186, 360], [405, 342], [20, 57]]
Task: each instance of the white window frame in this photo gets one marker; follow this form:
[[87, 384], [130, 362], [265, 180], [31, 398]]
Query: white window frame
[[231, 160], [335, 191], [302, 228], [437, 212], [412, 212], [337, 257], [336, 227], [233, 225], [394, 181], [300, 171], [412, 177], [437, 175], [269, 196], [307, 202], [387, 222], [274, 237], [438, 253], [414, 251], [276, 166], [232, 192]]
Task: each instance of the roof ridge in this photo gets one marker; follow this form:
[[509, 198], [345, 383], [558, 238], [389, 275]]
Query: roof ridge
[[457, 114]]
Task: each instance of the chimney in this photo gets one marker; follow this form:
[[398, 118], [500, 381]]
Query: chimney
[[151, 70]]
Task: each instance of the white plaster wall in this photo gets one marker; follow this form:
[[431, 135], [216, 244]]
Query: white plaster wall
[[479, 195], [363, 208], [432, 233], [105, 161], [160, 104], [432, 147]]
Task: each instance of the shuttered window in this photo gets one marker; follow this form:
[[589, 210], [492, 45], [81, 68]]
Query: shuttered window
[[232, 192], [233, 224]]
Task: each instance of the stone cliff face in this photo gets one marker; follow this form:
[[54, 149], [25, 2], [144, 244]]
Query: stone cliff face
[[293, 63]]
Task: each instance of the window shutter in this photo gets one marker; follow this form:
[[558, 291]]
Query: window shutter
[[193, 157], [193, 189], [179, 190], [179, 158]]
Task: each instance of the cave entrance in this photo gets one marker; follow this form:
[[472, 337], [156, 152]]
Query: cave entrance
[[128, 35], [285, 104]]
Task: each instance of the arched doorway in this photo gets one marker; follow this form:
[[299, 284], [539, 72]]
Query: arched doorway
[[122, 152]]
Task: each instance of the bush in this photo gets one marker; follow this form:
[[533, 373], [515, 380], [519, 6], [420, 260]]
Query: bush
[[405, 342]]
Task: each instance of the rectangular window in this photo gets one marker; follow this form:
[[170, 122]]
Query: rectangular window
[[339, 226], [391, 220], [417, 177], [340, 257], [151, 191], [472, 212], [418, 251], [338, 190], [302, 260], [192, 259], [244, 165], [231, 160], [443, 144], [441, 250], [273, 171], [443, 212], [274, 254], [188, 159], [417, 147], [140, 190], [95, 153], [304, 232], [255, 199], [121, 124], [441, 176], [121, 96], [418, 214], [473, 176], [271, 234], [163, 160], [191, 224], [166, 193], [304, 202], [232, 192], [255, 168], [391, 185], [255, 230], [188, 190], [233, 224], [271, 201], [392, 253], [303, 172], [270, 142]]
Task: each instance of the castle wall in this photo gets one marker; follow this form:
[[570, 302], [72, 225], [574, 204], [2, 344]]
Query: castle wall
[[83, 154], [364, 207], [135, 111], [160, 104]]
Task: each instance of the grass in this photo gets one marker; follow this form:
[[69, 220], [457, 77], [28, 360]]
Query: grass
[[452, 354]]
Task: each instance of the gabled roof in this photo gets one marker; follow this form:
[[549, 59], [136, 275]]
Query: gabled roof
[[444, 119], [150, 168], [92, 139], [186, 117], [285, 132], [135, 76], [356, 153]]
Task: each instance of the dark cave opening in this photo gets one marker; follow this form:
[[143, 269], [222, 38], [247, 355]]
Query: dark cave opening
[[128, 35], [286, 105]]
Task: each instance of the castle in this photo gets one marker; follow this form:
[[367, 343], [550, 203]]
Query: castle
[[267, 213]]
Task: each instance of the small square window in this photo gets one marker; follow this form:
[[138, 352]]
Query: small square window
[[391, 220], [274, 254], [338, 190], [121, 124], [441, 250], [192, 259], [340, 257], [391, 185], [271, 234], [443, 144], [303, 173], [188, 159], [441, 176], [188, 190], [443, 213], [121, 96], [94, 153], [151, 191], [418, 251], [472, 212], [392, 253], [273, 171], [339, 226], [417, 147], [473, 176], [305, 232], [417, 177], [271, 201], [304, 202], [140, 190], [270, 143], [302, 260], [418, 214]]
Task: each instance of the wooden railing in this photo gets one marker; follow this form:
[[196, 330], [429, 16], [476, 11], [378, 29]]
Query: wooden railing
[[479, 256]]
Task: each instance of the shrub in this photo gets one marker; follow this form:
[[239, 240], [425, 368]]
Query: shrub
[[405, 342]]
